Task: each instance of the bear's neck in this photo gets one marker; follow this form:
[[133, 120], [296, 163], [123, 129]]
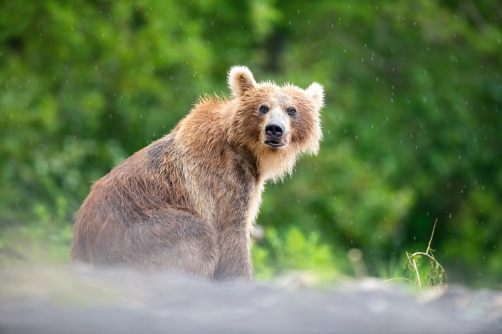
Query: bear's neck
[[245, 158]]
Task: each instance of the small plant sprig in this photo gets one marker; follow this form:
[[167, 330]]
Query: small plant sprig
[[437, 274]]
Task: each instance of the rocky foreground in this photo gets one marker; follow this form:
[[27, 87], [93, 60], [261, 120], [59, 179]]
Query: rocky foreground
[[84, 300]]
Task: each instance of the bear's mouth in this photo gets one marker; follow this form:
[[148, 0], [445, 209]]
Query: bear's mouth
[[274, 143]]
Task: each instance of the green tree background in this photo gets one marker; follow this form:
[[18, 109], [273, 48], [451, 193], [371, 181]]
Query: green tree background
[[412, 123]]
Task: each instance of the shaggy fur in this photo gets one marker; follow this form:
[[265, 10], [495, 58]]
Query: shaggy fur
[[187, 202]]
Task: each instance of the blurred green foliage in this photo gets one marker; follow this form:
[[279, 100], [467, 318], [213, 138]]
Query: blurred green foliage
[[412, 124], [294, 250]]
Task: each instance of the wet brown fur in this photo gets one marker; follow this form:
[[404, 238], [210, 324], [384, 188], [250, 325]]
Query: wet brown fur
[[187, 202]]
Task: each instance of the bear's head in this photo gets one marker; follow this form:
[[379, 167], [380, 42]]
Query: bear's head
[[275, 123]]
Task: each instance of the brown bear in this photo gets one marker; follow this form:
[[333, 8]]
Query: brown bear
[[188, 201]]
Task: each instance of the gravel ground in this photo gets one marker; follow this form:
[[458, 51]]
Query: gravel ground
[[85, 300]]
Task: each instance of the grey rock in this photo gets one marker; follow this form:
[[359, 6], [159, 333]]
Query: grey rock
[[88, 300]]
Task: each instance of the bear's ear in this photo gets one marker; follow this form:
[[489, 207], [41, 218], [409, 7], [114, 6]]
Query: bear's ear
[[240, 80], [316, 92]]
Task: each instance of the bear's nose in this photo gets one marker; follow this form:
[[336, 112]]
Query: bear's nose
[[274, 130]]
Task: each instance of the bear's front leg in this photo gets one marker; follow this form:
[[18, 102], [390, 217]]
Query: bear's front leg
[[235, 257]]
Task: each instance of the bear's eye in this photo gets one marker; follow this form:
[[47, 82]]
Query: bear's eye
[[264, 109], [291, 110]]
